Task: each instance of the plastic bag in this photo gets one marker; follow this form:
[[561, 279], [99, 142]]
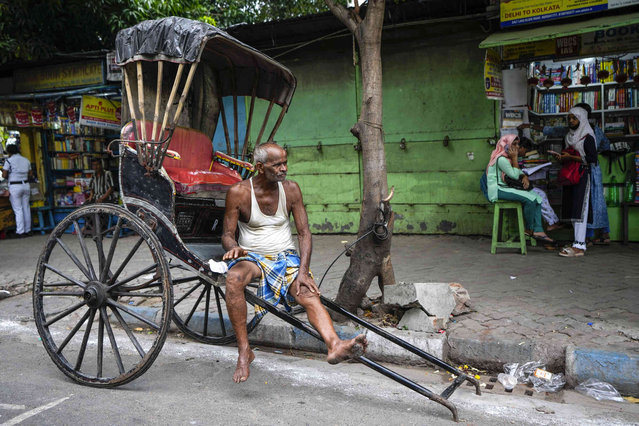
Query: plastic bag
[[549, 383], [599, 390], [525, 373], [509, 381]]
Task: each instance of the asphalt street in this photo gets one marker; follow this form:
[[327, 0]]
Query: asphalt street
[[190, 383]]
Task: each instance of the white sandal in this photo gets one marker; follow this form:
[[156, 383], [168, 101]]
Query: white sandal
[[570, 252]]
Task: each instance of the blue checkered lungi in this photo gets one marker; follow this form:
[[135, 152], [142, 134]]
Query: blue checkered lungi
[[278, 273]]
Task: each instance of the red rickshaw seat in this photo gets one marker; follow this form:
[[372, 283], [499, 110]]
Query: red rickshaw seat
[[195, 171]]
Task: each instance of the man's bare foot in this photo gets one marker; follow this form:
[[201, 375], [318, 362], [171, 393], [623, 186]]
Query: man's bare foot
[[242, 371], [347, 349]]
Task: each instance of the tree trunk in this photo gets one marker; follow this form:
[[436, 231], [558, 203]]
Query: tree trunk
[[371, 256]]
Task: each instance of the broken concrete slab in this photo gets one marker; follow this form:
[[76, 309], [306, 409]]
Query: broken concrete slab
[[462, 299], [437, 299], [416, 319]]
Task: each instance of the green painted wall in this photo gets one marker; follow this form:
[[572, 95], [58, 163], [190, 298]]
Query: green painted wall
[[433, 88]]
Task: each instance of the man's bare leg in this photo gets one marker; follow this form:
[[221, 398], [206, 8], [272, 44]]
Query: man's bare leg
[[338, 350], [238, 277]]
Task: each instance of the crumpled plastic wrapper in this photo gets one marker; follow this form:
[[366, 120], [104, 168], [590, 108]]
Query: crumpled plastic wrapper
[[599, 390], [525, 373]]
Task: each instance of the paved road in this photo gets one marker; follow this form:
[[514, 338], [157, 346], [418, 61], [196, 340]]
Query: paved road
[[190, 383]]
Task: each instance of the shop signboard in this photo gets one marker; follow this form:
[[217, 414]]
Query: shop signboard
[[492, 76], [100, 112], [601, 42], [534, 49], [520, 12], [59, 76], [617, 39]]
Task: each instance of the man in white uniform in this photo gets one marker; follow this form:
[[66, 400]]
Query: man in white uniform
[[261, 207], [17, 170]]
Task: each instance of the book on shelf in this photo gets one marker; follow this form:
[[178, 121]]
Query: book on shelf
[[78, 144], [622, 97], [70, 161], [558, 102]]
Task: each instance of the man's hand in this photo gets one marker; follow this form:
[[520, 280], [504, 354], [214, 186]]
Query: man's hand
[[305, 281], [525, 182], [234, 253]]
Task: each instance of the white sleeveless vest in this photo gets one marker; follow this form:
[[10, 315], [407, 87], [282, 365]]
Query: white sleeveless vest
[[263, 234]]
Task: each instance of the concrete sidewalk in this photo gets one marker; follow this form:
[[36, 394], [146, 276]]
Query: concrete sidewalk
[[578, 315]]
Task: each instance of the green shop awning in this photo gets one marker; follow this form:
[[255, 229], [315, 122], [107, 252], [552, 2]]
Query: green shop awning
[[549, 32]]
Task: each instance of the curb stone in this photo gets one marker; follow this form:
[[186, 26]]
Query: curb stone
[[491, 354], [617, 368]]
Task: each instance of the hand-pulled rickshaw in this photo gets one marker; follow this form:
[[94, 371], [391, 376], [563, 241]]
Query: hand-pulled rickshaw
[[104, 319]]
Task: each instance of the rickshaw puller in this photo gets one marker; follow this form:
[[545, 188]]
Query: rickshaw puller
[[260, 207]]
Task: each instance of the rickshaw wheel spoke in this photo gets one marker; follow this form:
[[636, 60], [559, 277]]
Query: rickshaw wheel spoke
[[114, 345], [85, 339], [187, 294], [116, 237], [206, 322], [75, 260], [128, 331], [110, 330], [85, 251], [74, 330], [99, 244], [199, 299], [219, 309], [100, 344]]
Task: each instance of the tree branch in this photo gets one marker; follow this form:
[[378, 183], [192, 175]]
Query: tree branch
[[350, 20]]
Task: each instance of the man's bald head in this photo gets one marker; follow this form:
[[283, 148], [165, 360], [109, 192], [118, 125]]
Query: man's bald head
[[270, 162], [262, 151]]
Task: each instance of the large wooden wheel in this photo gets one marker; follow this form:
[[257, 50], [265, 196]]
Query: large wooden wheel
[[200, 311], [102, 296]]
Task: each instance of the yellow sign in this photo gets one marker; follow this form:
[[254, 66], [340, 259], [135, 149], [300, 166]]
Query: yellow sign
[[492, 76], [534, 49], [59, 76], [100, 112], [518, 12]]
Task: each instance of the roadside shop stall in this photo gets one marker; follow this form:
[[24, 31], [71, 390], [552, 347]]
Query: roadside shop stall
[[66, 114], [19, 124], [539, 74]]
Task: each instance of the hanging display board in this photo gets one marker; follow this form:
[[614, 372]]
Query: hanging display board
[[493, 76], [20, 114], [612, 40], [100, 112], [520, 12]]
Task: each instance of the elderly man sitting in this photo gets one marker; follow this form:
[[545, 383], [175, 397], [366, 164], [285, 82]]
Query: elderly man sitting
[[261, 207]]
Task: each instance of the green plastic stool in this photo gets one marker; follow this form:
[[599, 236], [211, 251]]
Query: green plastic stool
[[498, 227]]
